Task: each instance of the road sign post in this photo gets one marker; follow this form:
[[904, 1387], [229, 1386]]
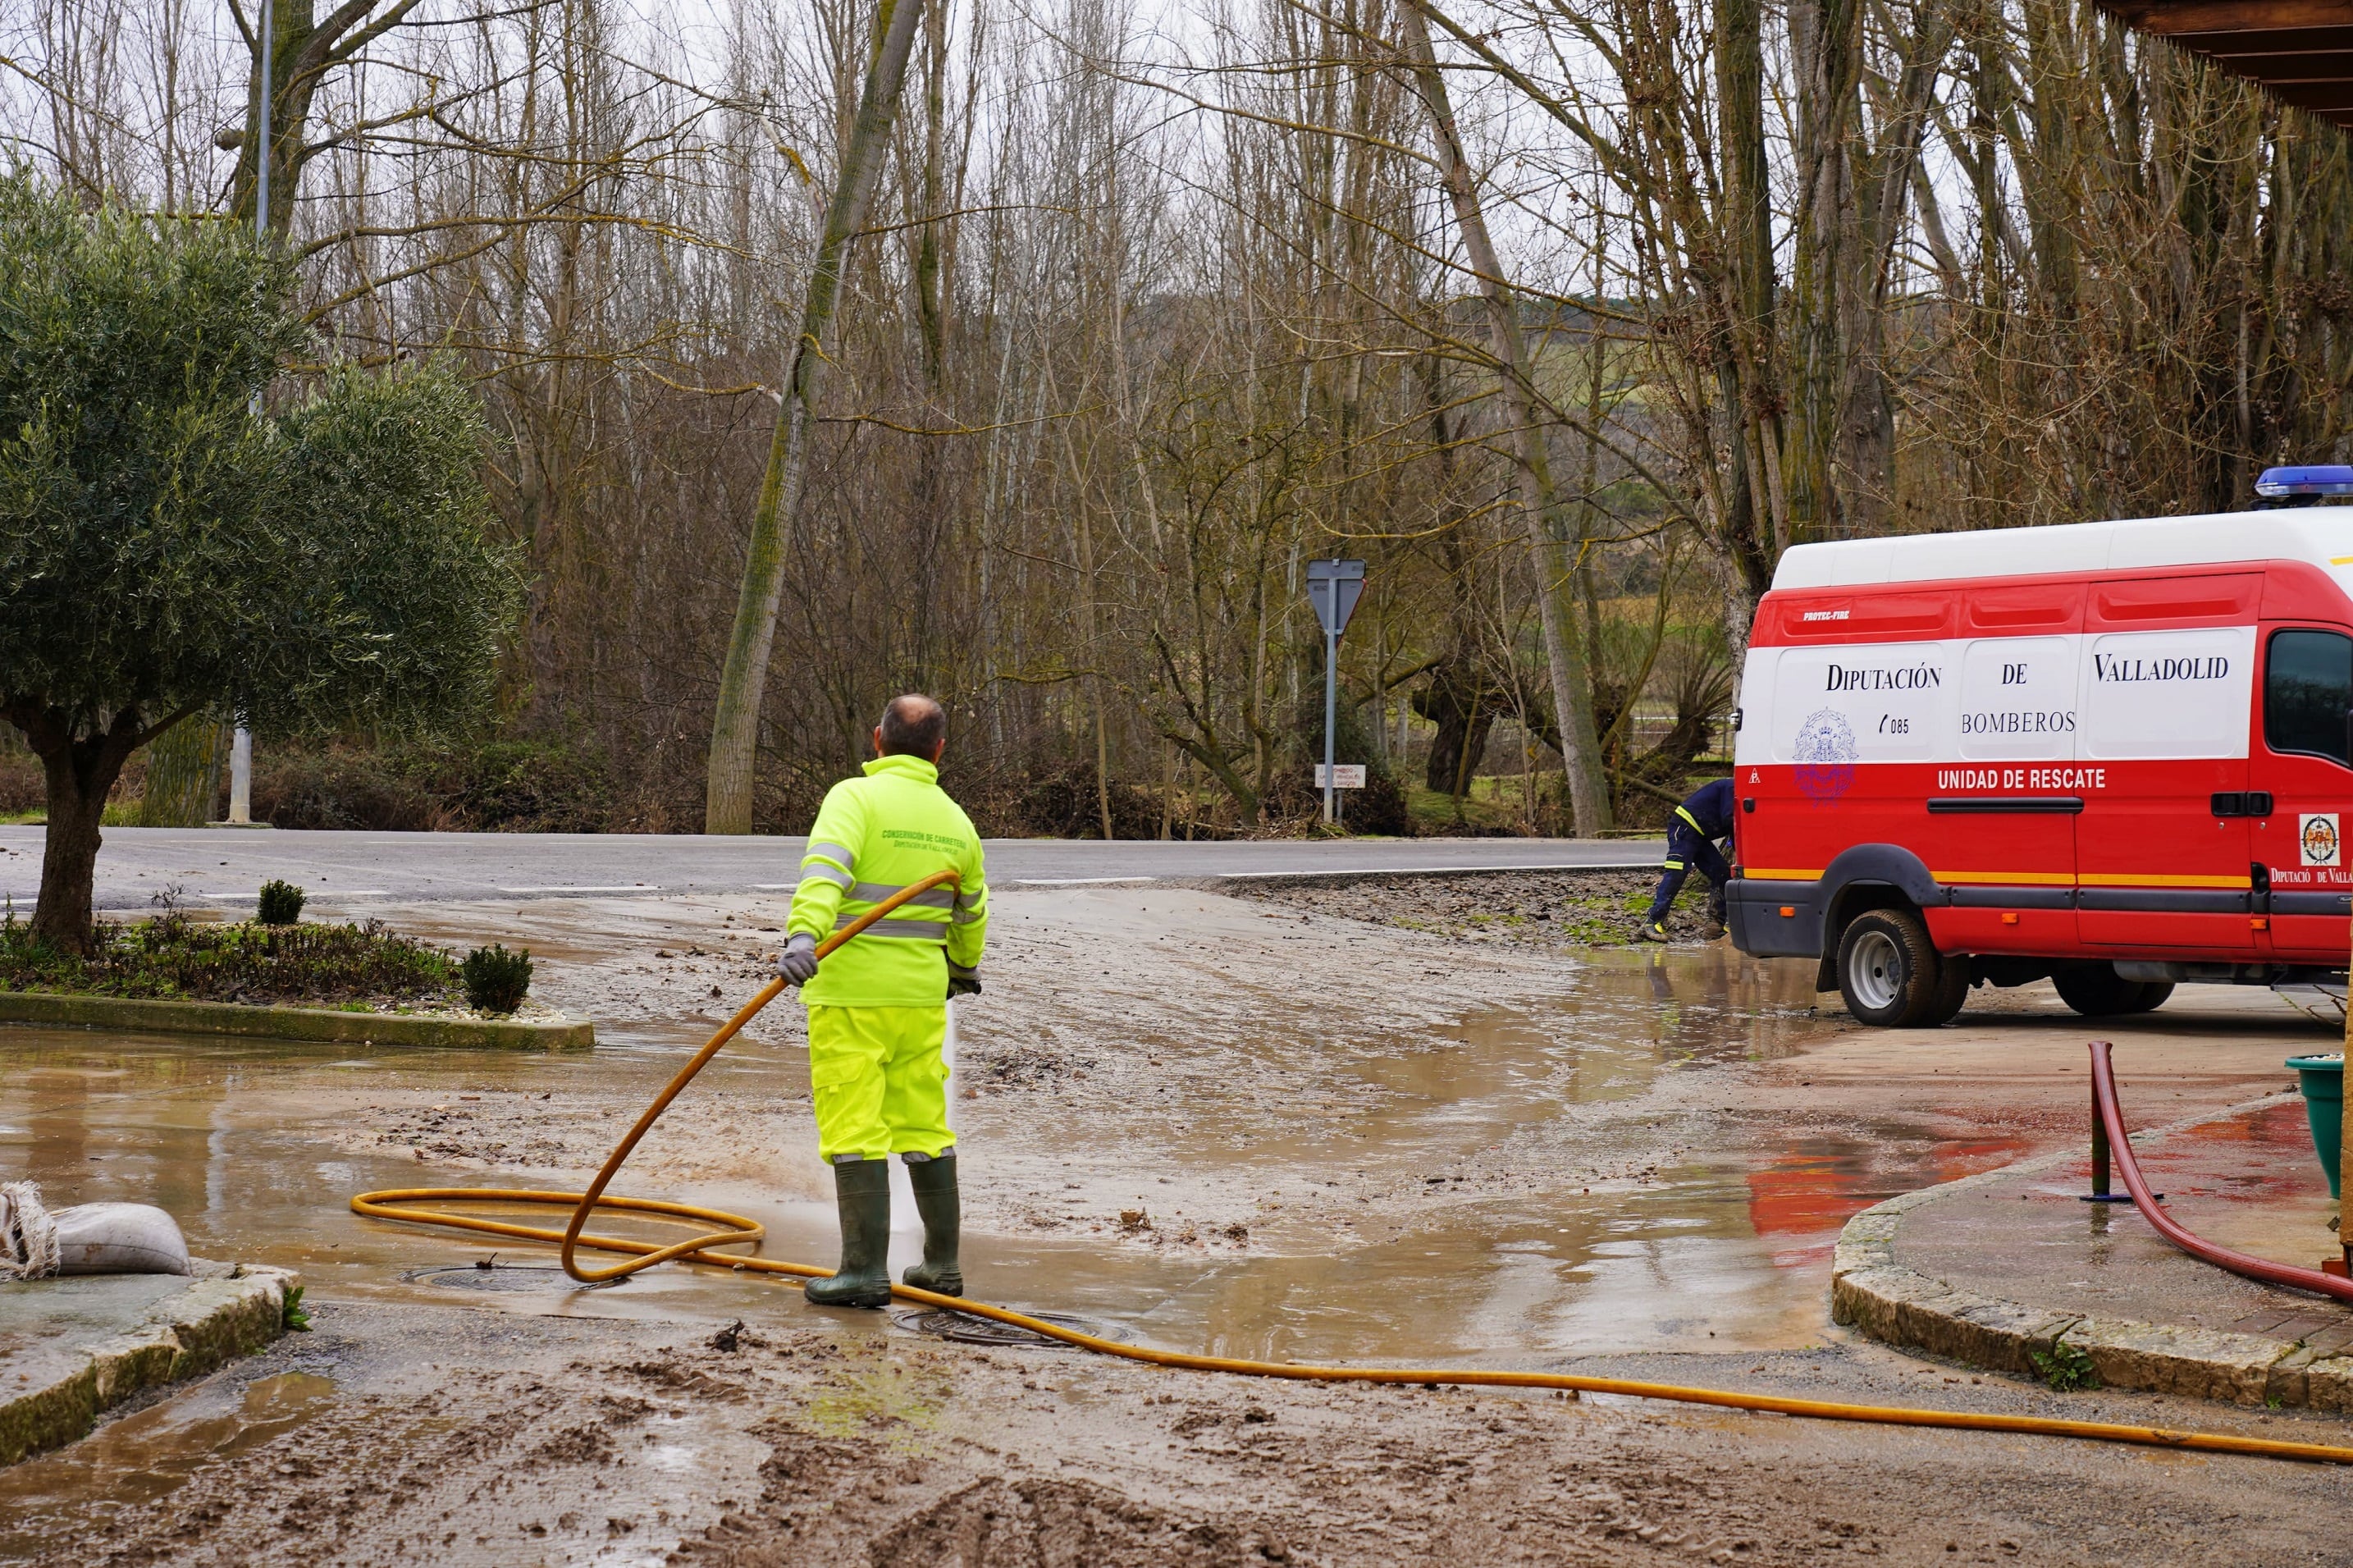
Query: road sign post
[[1333, 588]]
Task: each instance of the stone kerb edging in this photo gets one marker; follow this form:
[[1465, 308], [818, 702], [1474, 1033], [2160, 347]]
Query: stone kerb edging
[[1871, 1292], [226, 1311], [1244, 881], [325, 1024]]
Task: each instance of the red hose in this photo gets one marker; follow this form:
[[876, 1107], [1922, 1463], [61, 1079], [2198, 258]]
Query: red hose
[[2120, 1148]]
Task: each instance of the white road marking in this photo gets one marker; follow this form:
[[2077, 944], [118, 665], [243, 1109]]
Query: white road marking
[[1408, 870], [1076, 881], [572, 887]]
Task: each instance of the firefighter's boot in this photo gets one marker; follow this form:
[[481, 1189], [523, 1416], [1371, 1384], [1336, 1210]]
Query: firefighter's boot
[[861, 1190], [934, 1180]]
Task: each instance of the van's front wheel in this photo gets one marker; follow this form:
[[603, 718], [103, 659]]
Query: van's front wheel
[[1888, 970]]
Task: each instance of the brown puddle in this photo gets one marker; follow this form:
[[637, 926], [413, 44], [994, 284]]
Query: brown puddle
[[143, 1458], [1724, 1247]]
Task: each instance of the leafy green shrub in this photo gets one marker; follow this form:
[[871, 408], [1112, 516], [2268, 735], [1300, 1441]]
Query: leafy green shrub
[[174, 957], [494, 979], [281, 904], [2066, 1367]]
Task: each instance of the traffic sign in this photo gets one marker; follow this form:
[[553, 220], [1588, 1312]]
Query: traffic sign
[[1333, 587]]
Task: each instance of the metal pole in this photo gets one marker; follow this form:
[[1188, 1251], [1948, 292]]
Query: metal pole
[[2099, 1151], [2102, 1154], [1331, 710], [241, 755]]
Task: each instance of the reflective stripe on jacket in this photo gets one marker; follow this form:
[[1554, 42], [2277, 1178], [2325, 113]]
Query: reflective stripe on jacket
[[872, 837]]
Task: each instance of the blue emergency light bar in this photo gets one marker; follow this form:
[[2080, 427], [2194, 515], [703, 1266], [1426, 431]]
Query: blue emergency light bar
[[2311, 479]]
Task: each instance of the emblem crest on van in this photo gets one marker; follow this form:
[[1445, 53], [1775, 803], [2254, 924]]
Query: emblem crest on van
[[1825, 754], [2315, 837]]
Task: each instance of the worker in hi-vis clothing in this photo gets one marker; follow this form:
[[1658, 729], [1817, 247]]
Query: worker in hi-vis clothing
[[878, 1015], [1704, 819]]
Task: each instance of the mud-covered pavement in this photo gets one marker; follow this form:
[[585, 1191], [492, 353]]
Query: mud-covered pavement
[[1258, 1127]]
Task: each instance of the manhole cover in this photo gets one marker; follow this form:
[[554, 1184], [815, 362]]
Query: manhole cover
[[963, 1326], [500, 1277]]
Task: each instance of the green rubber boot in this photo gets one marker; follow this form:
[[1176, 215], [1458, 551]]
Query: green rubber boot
[[863, 1190], [934, 1181]]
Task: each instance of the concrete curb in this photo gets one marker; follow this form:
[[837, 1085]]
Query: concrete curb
[[317, 1023], [1898, 1306], [226, 1311]]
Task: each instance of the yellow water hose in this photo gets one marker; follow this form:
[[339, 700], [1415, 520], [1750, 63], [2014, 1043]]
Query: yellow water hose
[[736, 1230]]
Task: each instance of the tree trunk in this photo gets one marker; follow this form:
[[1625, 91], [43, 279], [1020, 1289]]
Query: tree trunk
[[301, 51], [1746, 368], [1825, 55], [1588, 792], [80, 774], [1464, 710], [69, 855], [736, 728]]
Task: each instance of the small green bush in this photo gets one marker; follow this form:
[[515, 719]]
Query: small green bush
[[174, 957], [281, 904], [2066, 1367], [494, 979]]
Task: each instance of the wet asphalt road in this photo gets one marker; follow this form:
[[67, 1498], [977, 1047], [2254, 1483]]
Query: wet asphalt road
[[226, 865]]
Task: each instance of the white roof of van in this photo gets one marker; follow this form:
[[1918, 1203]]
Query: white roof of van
[[2320, 535]]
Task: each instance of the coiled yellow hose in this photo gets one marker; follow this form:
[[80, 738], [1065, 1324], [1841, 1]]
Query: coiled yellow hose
[[734, 1230]]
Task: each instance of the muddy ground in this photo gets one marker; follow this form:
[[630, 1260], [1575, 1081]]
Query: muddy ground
[[1262, 1125], [469, 1437], [1560, 910]]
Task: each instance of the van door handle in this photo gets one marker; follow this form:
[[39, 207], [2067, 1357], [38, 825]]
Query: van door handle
[[2240, 803]]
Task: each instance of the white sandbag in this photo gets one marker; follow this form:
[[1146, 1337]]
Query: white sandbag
[[119, 1238], [29, 1238]]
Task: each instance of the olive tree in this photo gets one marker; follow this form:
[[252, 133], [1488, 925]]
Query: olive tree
[[165, 550]]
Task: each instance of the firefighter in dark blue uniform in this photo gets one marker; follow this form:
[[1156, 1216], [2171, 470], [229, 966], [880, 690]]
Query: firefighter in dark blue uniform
[[1700, 822]]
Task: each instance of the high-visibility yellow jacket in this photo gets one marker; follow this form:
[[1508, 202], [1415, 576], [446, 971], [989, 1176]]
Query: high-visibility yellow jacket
[[872, 837]]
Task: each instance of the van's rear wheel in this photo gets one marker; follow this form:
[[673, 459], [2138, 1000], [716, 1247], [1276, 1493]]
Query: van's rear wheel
[[2097, 990], [1888, 970]]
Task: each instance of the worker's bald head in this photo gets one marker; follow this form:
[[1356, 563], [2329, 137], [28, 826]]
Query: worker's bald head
[[913, 726]]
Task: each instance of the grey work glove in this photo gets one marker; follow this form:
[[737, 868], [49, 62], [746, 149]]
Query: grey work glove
[[963, 982], [796, 965]]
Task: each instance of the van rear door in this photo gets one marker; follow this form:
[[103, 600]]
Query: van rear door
[[2302, 765], [2163, 842]]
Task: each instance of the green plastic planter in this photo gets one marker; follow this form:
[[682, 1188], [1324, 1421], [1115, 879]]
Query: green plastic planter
[[2322, 1079]]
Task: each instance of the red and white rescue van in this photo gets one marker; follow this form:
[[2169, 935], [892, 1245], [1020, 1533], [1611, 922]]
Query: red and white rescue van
[[2111, 754]]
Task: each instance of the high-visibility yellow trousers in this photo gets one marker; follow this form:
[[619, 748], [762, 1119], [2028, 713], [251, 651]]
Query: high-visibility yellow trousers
[[880, 1080]]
